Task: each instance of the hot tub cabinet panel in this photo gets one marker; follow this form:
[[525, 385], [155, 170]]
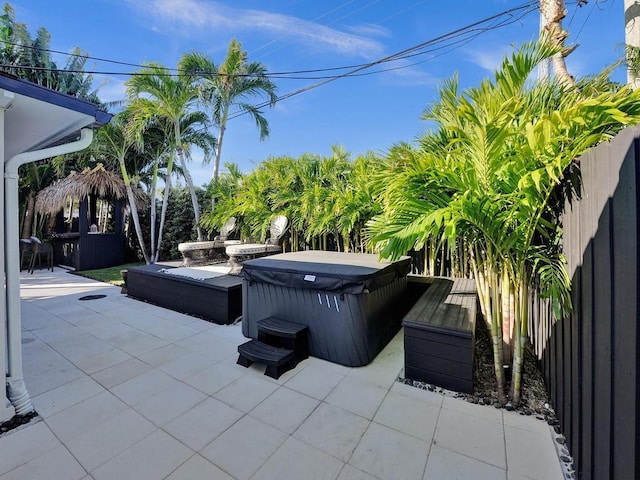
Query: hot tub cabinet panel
[[351, 303]]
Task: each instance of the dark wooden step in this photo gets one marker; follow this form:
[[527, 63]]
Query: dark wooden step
[[277, 360], [283, 334], [280, 328]]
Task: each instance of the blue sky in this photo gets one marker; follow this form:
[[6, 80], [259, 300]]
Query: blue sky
[[360, 113]]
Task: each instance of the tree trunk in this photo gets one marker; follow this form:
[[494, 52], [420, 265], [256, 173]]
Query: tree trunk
[[508, 320], [496, 335], [522, 318], [154, 212], [223, 128], [30, 203], [192, 192], [632, 39], [553, 12], [136, 222], [165, 203]]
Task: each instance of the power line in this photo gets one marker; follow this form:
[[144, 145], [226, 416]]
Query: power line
[[494, 21], [411, 52], [526, 6]]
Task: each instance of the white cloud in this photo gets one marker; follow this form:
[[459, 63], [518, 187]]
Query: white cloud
[[371, 30], [489, 59], [186, 15], [110, 89], [413, 77]]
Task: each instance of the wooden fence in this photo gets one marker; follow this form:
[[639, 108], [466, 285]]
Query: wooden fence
[[591, 360]]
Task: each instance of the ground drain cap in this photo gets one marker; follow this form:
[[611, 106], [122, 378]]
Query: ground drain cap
[[92, 297]]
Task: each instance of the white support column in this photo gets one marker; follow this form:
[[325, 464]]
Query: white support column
[[16, 388], [6, 409]]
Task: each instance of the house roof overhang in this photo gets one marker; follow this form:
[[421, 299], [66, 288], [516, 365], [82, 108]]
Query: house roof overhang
[[37, 117]]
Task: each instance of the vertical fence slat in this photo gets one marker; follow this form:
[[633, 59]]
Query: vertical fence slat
[[625, 293], [602, 276], [586, 222]]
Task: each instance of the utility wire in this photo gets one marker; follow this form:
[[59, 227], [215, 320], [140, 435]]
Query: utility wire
[[388, 58], [410, 52]]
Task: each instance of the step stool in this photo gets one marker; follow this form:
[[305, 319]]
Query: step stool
[[283, 334], [280, 346], [278, 360]]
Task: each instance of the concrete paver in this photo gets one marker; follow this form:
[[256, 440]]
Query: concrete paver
[[125, 389]]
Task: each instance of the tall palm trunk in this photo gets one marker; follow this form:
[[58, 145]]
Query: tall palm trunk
[[154, 183], [496, 335], [223, 129], [508, 319], [520, 337], [27, 224], [134, 210], [553, 12], [192, 192], [165, 203]]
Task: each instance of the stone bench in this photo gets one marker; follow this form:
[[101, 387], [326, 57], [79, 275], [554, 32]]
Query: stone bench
[[202, 252]]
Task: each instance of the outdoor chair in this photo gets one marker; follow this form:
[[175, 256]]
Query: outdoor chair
[[202, 252], [40, 248], [26, 253], [252, 250]]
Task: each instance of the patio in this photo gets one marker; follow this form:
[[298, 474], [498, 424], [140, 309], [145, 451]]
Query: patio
[[129, 390]]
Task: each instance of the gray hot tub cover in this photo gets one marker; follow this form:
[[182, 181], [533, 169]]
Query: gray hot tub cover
[[351, 273]]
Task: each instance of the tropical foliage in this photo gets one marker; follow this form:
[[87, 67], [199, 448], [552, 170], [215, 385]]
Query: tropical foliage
[[486, 179], [327, 199]]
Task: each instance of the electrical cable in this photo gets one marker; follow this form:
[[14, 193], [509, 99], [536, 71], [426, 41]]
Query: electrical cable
[[271, 74], [419, 49], [382, 60]]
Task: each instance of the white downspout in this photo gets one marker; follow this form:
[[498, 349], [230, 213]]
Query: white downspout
[[6, 409], [16, 388]]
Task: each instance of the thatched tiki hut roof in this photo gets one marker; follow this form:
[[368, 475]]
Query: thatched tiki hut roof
[[97, 181]]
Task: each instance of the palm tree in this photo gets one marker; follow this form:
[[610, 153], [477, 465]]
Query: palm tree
[[229, 85], [33, 178], [160, 97], [114, 142], [486, 178]]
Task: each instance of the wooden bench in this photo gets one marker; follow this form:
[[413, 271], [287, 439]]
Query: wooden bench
[[439, 334]]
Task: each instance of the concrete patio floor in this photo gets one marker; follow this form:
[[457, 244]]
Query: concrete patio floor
[[127, 390]]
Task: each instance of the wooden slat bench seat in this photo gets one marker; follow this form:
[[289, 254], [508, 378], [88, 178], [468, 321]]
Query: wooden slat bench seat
[[439, 334]]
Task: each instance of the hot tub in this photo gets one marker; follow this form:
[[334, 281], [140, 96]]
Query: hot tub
[[352, 303]]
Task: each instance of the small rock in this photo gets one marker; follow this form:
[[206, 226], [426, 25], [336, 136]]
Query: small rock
[[561, 440], [565, 459]]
